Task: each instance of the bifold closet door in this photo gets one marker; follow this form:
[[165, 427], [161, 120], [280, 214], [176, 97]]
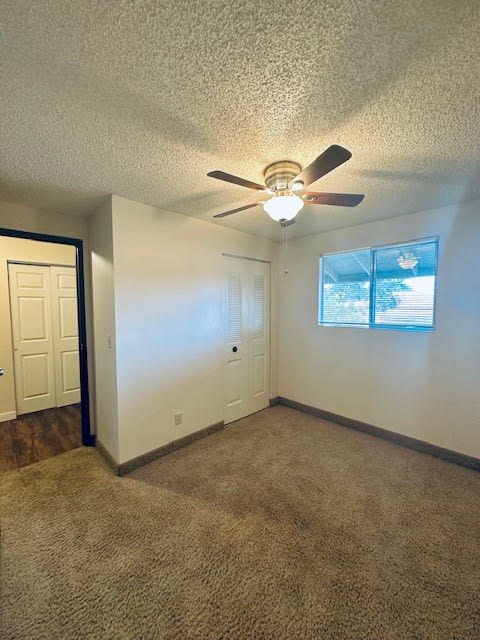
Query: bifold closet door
[[247, 336], [43, 303], [32, 337], [65, 334]]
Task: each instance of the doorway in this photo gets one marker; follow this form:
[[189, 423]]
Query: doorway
[[247, 336], [83, 406], [35, 436]]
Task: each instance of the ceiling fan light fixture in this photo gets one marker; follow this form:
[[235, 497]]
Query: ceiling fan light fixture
[[283, 207], [285, 180]]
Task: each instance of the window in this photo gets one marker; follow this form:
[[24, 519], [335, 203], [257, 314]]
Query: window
[[386, 287]]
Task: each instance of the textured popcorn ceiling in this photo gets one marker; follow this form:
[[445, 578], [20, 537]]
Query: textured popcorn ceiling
[[142, 99]]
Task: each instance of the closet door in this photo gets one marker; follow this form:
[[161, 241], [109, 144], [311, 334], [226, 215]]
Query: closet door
[[258, 290], [247, 337], [236, 349], [65, 334], [32, 337]]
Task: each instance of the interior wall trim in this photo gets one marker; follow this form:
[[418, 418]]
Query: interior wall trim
[[234, 255], [126, 467], [40, 264], [8, 415], [461, 459], [106, 455]]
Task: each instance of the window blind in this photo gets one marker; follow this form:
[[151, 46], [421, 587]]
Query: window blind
[[390, 287]]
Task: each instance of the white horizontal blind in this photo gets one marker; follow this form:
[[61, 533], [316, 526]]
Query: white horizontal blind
[[346, 288], [389, 287], [404, 285]]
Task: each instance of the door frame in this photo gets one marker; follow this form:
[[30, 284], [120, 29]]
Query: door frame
[[88, 439]]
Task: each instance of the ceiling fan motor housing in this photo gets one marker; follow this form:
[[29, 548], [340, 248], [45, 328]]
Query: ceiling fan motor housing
[[280, 175]]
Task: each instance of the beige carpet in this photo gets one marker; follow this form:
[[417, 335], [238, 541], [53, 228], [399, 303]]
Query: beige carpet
[[282, 526]]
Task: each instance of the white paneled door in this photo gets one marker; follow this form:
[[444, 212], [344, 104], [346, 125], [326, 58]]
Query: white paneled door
[[247, 336], [32, 337], [45, 336], [65, 334]]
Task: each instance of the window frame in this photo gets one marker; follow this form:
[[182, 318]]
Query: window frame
[[372, 288]]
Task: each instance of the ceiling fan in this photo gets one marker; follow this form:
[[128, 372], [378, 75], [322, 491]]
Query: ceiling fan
[[285, 182]]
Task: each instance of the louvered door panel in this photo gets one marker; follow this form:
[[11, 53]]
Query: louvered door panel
[[259, 361], [236, 374]]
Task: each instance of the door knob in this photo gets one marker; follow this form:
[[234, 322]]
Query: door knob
[[234, 349], [1, 372]]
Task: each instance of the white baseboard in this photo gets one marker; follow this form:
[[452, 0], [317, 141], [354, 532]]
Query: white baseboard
[[8, 415]]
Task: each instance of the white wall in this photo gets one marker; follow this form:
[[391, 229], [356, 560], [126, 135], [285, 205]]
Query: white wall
[[27, 251], [423, 385], [103, 300], [24, 218], [168, 278]]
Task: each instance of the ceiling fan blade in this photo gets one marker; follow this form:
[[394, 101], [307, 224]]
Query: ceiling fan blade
[[287, 223], [336, 199], [229, 213], [330, 159], [227, 177]]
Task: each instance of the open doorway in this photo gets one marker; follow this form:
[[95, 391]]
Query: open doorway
[[64, 421]]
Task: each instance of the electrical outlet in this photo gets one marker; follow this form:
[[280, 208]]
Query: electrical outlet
[[178, 418]]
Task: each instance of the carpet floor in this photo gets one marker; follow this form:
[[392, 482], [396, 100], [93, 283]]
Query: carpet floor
[[280, 526]]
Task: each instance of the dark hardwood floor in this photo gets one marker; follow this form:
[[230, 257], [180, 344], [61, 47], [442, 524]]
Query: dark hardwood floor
[[36, 436]]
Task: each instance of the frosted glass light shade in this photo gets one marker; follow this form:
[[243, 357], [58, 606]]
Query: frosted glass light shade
[[283, 207]]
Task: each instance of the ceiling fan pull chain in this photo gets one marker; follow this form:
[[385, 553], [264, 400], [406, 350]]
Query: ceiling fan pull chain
[[284, 250]]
